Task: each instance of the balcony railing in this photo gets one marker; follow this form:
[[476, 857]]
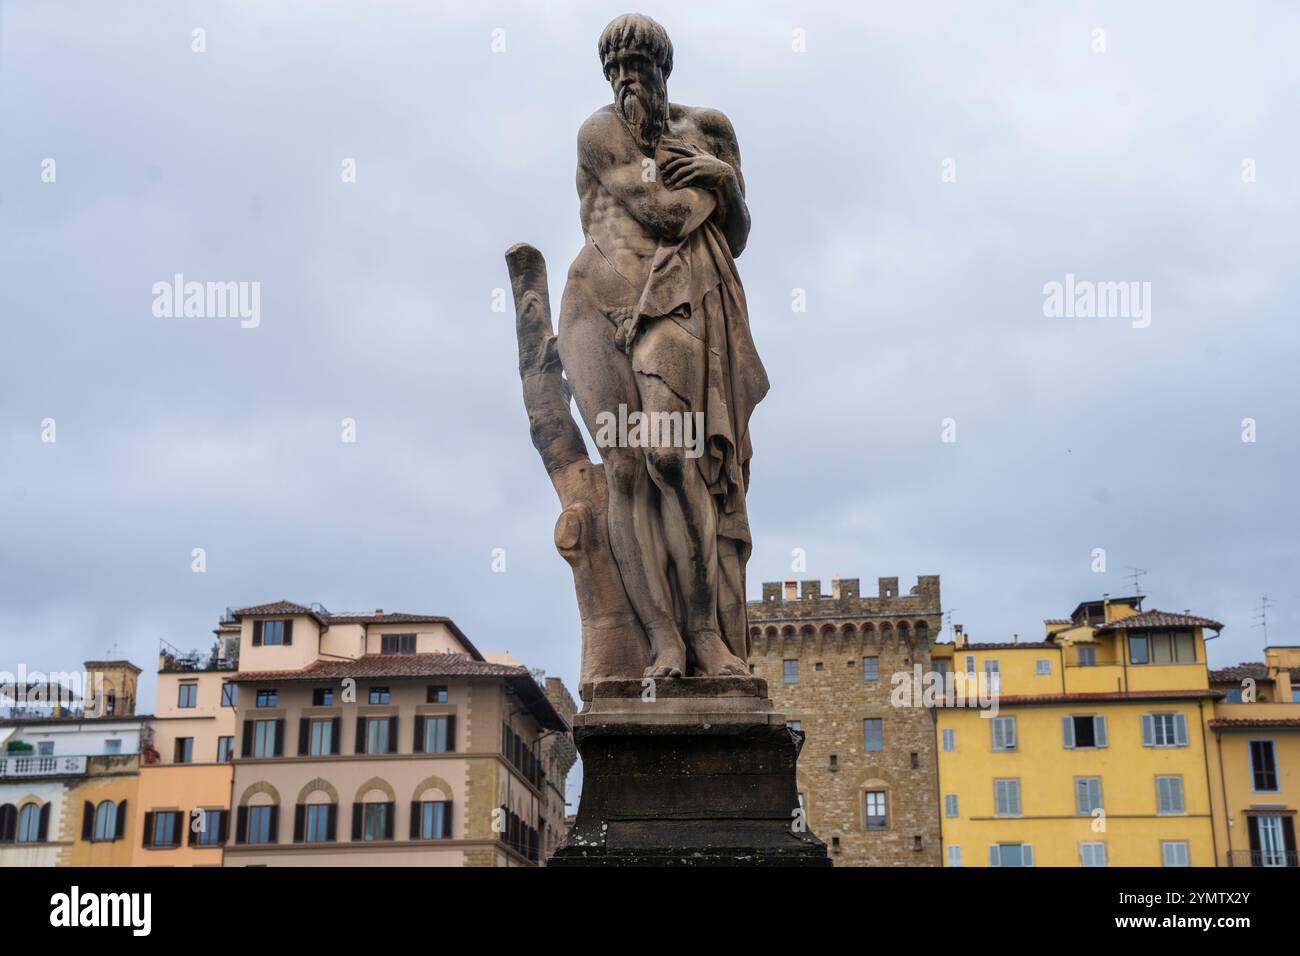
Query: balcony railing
[[1263, 858], [36, 765]]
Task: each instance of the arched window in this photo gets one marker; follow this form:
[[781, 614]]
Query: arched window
[[106, 821], [29, 824], [8, 823]]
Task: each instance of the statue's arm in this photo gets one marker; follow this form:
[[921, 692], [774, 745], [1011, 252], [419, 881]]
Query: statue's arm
[[731, 214], [666, 214]]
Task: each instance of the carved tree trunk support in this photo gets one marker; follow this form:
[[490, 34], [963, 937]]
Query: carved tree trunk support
[[613, 641]]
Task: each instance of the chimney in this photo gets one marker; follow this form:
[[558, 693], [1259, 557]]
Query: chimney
[[835, 586], [791, 589], [1015, 638], [379, 612], [958, 635]]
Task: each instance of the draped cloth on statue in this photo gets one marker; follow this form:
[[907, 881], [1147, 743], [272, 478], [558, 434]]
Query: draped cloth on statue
[[711, 363]]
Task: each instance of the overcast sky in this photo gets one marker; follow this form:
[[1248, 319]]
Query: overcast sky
[[924, 303]]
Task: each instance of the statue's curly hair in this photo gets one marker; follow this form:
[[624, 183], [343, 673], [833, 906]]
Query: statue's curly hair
[[637, 31]]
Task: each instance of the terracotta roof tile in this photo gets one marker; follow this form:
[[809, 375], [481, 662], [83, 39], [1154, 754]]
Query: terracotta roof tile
[[1133, 695], [1239, 672], [1154, 618], [1228, 723], [390, 665], [1004, 645]]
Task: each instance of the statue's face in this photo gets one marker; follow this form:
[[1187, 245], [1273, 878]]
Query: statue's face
[[632, 73]]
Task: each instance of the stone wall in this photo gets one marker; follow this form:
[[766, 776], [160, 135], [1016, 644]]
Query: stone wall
[[829, 635]]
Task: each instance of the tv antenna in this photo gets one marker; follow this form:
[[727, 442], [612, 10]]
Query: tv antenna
[[1262, 616], [1135, 574], [947, 620]]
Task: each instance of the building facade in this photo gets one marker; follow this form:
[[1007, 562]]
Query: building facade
[[867, 775], [1094, 751]]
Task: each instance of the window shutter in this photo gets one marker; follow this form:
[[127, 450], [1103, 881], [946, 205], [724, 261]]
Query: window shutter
[[1099, 730], [415, 818], [299, 821], [1180, 729], [1027, 854], [189, 826], [1148, 731], [274, 827], [148, 829], [390, 816], [1010, 733], [120, 830], [288, 632], [361, 735], [223, 826], [392, 735], [248, 739], [44, 824], [357, 809], [279, 737], [451, 734], [304, 734], [87, 820], [241, 825], [995, 859], [446, 819], [257, 633], [336, 730], [997, 733], [1252, 824], [8, 823], [418, 747], [1081, 796], [1162, 795], [332, 823], [1067, 732], [1288, 838]]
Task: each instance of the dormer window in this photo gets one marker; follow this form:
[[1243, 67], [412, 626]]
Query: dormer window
[[397, 644], [272, 633], [267, 698]]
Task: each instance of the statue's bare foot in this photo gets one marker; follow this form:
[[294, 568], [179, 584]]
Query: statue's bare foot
[[712, 657], [668, 651]]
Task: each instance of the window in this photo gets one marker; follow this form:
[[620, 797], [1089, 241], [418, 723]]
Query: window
[[322, 738], [380, 695], [1234, 695], [377, 735], [1137, 649], [1087, 795], [1164, 730], [1083, 731], [272, 633], [166, 828], [1169, 794], [113, 746], [1092, 853], [1174, 852], [794, 724], [318, 822], [1263, 766], [939, 667], [105, 821], [29, 824], [189, 695], [1004, 733], [950, 805], [949, 740], [229, 695], [435, 820], [259, 824], [873, 734], [970, 665], [110, 707], [1272, 840], [225, 749], [436, 695], [184, 750], [397, 644], [212, 824], [871, 668], [322, 697], [1006, 798], [790, 672], [436, 737], [264, 738], [992, 677], [876, 819], [45, 748], [1295, 695], [954, 855], [375, 822], [1043, 666], [1011, 854], [834, 763], [267, 698], [1086, 656]]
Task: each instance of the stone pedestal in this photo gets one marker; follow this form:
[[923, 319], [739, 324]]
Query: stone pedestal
[[693, 771]]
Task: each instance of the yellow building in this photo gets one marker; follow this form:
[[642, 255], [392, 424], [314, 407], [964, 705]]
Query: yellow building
[[1092, 751], [1255, 760]]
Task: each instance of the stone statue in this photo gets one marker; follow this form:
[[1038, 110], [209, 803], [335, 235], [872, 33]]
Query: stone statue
[[653, 334]]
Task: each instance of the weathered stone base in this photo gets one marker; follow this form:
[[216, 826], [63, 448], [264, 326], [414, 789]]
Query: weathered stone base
[[687, 772]]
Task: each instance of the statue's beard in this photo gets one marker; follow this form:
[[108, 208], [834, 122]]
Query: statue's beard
[[645, 113]]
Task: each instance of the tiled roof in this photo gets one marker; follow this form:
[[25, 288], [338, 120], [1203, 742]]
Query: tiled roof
[[390, 665], [1239, 672], [1134, 695], [1004, 645], [396, 617], [325, 619], [1228, 723], [1154, 618], [1057, 620], [275, 607]]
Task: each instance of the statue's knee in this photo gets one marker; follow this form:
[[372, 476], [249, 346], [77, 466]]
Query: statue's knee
[[624, 471], [669, 464]]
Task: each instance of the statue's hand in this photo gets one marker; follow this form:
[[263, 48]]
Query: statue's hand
[[691, 166]]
